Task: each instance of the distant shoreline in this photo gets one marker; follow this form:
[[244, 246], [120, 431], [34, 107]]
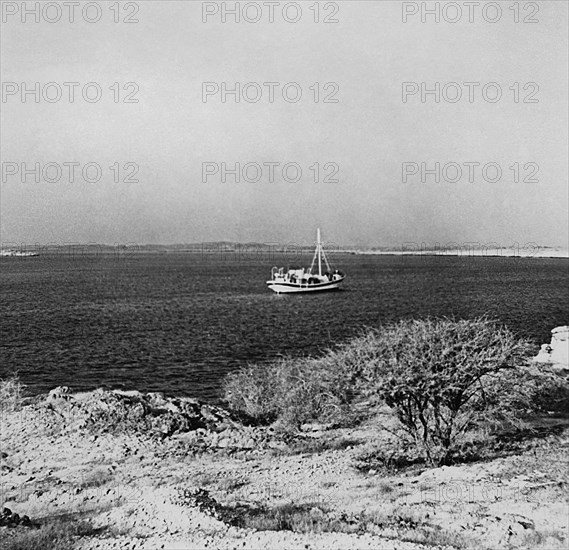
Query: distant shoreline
[[490, 253], [251, 249]]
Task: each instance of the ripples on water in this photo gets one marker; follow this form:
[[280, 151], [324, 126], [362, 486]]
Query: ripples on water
[[178, 322]]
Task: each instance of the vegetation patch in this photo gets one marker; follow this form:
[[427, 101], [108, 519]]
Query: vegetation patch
[[458, 390], [11, 394], [315, 445], [95, 478], [58, 533], [443, 378], [293, 391], [315, 517]]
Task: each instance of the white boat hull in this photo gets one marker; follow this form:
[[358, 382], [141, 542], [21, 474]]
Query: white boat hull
[[290, 288], [298, 281]]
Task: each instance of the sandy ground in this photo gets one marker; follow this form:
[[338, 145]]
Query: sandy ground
[[54, 462]]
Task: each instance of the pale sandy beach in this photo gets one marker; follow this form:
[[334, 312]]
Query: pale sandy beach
[[493, 252]]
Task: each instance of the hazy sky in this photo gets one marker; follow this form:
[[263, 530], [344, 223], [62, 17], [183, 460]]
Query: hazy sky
[[368, 134]]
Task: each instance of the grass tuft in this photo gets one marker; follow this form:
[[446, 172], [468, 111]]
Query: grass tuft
[[11, 394], [56, 534]]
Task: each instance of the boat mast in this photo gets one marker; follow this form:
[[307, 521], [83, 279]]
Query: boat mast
[[319, 247]]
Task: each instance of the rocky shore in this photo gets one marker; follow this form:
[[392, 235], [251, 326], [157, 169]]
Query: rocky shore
[[148, 471], [556, 353]]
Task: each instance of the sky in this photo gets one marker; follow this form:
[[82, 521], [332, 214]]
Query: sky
[[361, 140]]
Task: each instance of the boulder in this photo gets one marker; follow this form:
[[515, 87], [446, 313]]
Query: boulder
[[557, 352], [61, 392], [12, 519]]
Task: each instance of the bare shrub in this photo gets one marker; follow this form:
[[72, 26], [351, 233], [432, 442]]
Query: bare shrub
[[11, 394], [293, 391], [443, 377], [452, 386]]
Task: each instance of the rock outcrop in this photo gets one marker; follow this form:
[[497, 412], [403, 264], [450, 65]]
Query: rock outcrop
[[557, 352], [11, 519], [193, 423]]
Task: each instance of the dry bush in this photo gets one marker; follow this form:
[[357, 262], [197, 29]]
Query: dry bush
[[292, 391], [449, 383], [444, 378], [11, 394]]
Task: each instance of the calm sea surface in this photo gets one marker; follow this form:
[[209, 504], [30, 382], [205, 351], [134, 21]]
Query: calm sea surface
[[178, 322]]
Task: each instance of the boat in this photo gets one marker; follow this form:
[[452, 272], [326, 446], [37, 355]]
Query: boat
[[301, 280]]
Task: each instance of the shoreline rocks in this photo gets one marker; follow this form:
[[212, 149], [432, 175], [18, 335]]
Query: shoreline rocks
[[557, 352], [184, 421], [12, 519]]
